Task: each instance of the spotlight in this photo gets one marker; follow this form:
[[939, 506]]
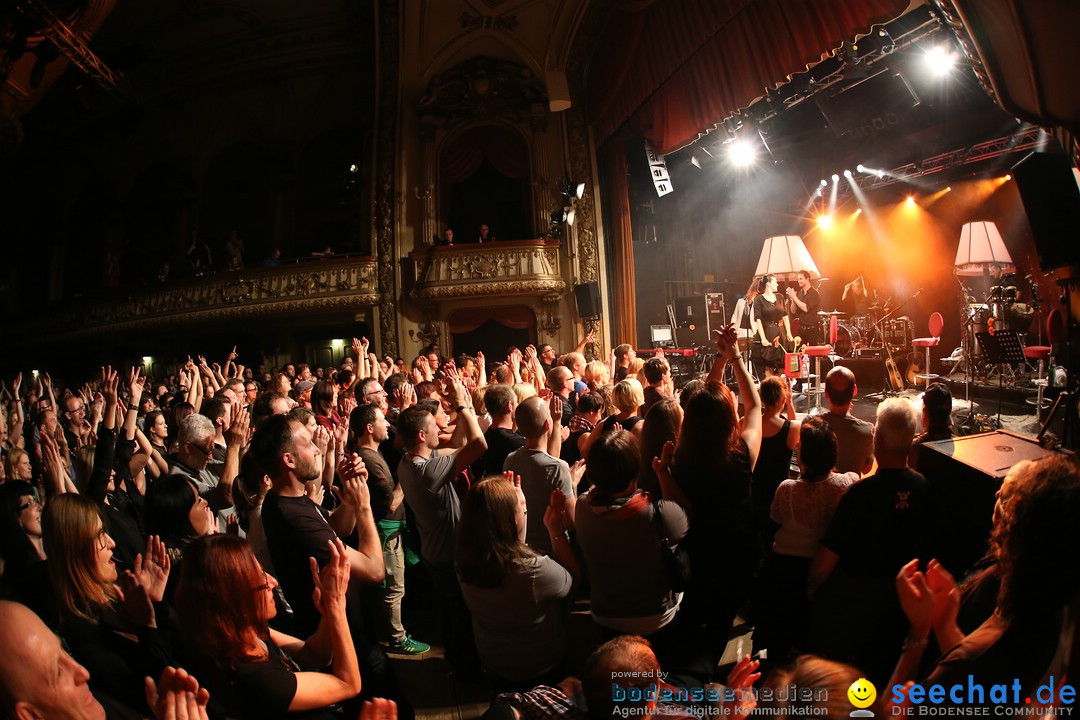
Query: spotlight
[[940, 60], [857, 213], [880, 173], [824, 182], [860, 167], [1008, 178], [847, 174], [948, 189], [911, 201], [741, 153], [354, 168], [695, 162], [147, 360], [570, 215], [579, 190], [824, 221], [835, 178]]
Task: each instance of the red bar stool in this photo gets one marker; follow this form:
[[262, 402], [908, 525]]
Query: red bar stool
[[1042, 354], [936, 324], [817, 352]]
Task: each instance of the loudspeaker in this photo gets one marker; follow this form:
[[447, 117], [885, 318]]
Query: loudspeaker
[[869, 373], [1051, 197], [588, 299], [965, 474], [692, 318]]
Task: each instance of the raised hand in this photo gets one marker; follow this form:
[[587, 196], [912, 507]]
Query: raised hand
[[16, 384], [662, 464], [232, 354], [237, 433], [136, 384], [332, 582], [341, 433], [530, 353], [555, 519], [577, 472], [151, 571], [321, 437], [110, 381], [176, 696], [136, 600], [741, 679], [727, 342], [555, 405], [379, 709]]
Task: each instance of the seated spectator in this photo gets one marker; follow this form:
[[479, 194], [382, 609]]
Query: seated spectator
[[253, 670], [1035, 537], [514, 593], [541, 472], [38, 679], [779, 436], [618, 527], [854, 437], [880, 523], [114, 635], [802, 510]]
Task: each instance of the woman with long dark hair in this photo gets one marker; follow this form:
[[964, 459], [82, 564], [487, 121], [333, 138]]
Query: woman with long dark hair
[[515, 594], [772, 327], [713, 465], [225, 600]]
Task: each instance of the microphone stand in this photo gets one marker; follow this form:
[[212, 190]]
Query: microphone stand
[[887, 354]]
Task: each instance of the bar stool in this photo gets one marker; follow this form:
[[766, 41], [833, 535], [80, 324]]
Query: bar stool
[[1054, 334], [936, 324], [817, 352]]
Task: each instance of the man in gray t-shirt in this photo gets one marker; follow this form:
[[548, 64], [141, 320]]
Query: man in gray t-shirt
[[854, 437]]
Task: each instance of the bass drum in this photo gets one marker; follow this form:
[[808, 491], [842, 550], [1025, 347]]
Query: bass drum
[[847, 339]]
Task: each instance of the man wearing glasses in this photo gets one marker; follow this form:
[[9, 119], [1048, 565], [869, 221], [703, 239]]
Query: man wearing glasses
[[76, 425], [212, 480]]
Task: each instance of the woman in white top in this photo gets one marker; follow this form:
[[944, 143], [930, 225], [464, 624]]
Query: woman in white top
[[803, 508]]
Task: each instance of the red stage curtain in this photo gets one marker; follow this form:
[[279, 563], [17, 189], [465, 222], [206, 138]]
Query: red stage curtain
[[622, 244], [679, 67], [515, 317], [462, 154]]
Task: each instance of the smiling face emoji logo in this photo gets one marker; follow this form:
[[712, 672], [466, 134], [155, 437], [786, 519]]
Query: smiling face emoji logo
[[862, 694]]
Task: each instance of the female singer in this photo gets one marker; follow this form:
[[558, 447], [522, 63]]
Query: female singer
[[769, 320]]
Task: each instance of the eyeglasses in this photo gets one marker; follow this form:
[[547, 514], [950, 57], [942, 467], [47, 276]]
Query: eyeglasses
[[266, 585], [102, 539], [380, 391], [203, 450], [31, 503]]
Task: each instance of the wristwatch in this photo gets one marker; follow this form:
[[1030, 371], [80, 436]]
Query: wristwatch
[[459, 408]]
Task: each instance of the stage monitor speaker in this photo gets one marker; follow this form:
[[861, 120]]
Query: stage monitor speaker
[[869, 372], [965, 474], [588, 299], [1051, 197], [692, 319]]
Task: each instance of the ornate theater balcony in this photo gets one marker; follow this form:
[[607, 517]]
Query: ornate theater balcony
[[517, 267], [347, 283]]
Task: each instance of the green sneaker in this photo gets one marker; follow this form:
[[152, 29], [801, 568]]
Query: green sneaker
[[409, 647]]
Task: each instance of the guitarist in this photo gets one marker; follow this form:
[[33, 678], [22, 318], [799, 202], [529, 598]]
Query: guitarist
[[769, 320], [805, 303]]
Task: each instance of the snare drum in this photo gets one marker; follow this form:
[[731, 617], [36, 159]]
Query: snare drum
[[847, 339]]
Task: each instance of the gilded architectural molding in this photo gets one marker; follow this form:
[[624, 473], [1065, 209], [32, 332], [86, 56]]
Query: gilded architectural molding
[[346, 284], [386, 118], [517, 268], [482, 87]]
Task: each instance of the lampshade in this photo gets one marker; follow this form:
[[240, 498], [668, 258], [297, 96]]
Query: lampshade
[[981, 246], [784, 256]]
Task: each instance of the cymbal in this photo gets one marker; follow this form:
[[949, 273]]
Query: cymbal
[[834, 313]]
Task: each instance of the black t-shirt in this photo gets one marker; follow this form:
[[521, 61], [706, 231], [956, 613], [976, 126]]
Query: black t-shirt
[[500, 443], [769, 313], [297, 529], [880, 523], [381, 483], [263, 690], [808, 321]]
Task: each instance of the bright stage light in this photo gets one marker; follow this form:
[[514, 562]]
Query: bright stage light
[[1008, 178], [860, 167], [824, 182], [940, 60], [824, 221], [911, 201], [847, 174], [835, 178], [741, 153], [948, 189], [857, 213]]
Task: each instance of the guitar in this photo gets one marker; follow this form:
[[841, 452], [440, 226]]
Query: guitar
[[914, 367], [896, 380]]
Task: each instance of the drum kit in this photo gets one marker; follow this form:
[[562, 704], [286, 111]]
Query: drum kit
[[855, 333], [1002, 311]]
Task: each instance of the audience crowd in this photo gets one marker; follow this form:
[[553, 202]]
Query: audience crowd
[[257, 527]]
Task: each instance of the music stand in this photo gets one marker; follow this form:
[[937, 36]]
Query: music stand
[[1001, 348]]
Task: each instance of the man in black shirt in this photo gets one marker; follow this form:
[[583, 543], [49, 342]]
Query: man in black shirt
[[880, 525], [297, 529], [805, 303], [370, 428], [500, 402]]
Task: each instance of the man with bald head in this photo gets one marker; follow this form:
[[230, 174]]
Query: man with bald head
[[38, 679], [854, 437]]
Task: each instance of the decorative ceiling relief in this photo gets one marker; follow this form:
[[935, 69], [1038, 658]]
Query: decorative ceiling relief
[[497, 22], [482, 87]]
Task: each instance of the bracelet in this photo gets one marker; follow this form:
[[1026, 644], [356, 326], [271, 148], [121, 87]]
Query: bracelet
[[910, 642], [459, 408], [564, 536]]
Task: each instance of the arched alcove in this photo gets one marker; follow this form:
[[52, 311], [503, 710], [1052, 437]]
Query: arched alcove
[[491, 329], [484, 178]]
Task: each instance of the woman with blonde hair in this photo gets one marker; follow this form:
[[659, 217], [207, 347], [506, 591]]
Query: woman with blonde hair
[[628, 396], [113, 633]]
